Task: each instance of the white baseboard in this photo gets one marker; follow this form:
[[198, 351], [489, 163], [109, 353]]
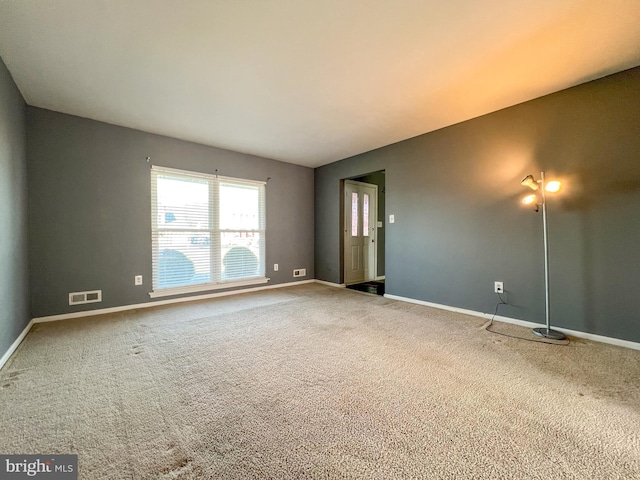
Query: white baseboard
[[523, 323], [330, 284], [381, 277], [14, 346], [102, 311]]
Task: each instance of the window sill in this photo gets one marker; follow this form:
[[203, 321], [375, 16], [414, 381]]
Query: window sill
[[166, 292]]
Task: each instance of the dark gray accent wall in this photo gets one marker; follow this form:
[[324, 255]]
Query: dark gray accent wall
[[90, 218], [456, 192], [14, 286]]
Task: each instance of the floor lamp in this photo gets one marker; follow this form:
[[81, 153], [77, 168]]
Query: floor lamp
[[539, 199]]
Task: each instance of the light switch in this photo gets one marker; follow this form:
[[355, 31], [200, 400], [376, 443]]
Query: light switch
[[392, 218]]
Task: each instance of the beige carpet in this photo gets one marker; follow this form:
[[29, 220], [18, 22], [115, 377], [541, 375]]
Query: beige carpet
[[318, 382]]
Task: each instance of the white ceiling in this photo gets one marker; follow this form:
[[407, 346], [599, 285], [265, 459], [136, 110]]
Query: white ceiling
[[307, 82]]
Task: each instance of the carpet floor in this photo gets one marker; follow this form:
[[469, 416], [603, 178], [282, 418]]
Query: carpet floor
[[318, 382]]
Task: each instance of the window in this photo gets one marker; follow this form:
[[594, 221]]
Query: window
[[207, 231], [365, 215], [354, 214]]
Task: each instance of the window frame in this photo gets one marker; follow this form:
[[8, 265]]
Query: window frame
[[216, 281]]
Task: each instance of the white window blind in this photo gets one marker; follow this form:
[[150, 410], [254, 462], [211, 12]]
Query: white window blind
[[207, 231]]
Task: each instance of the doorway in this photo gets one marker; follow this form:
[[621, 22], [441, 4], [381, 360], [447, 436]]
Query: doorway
[[363, 228]]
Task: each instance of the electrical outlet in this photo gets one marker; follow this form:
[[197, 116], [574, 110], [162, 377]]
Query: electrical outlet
[[275, 267], [498, 287], [137, 280]]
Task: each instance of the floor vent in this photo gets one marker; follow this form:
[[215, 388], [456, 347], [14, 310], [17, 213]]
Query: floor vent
[[300, 272], [77, 298]]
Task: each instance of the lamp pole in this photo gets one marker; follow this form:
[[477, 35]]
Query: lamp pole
[[546, 332]]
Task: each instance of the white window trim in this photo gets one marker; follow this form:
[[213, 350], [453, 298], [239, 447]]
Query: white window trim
[[166, 292], [210, 286]]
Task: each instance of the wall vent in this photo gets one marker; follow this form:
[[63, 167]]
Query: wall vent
[[300, 272], [77, 298]]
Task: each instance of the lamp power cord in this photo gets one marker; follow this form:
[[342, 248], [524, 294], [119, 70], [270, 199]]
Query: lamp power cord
[[487, 326]]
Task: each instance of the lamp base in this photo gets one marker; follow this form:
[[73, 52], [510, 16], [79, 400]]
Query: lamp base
[[549, 333]]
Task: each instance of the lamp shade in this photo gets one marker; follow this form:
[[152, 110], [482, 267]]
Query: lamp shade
[[530, 182]]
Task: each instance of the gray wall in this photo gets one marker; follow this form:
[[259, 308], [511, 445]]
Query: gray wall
[[459, 224], [14, 287], [90, 208]]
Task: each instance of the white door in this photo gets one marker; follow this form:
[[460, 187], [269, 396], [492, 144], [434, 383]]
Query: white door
[[360, 215]]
